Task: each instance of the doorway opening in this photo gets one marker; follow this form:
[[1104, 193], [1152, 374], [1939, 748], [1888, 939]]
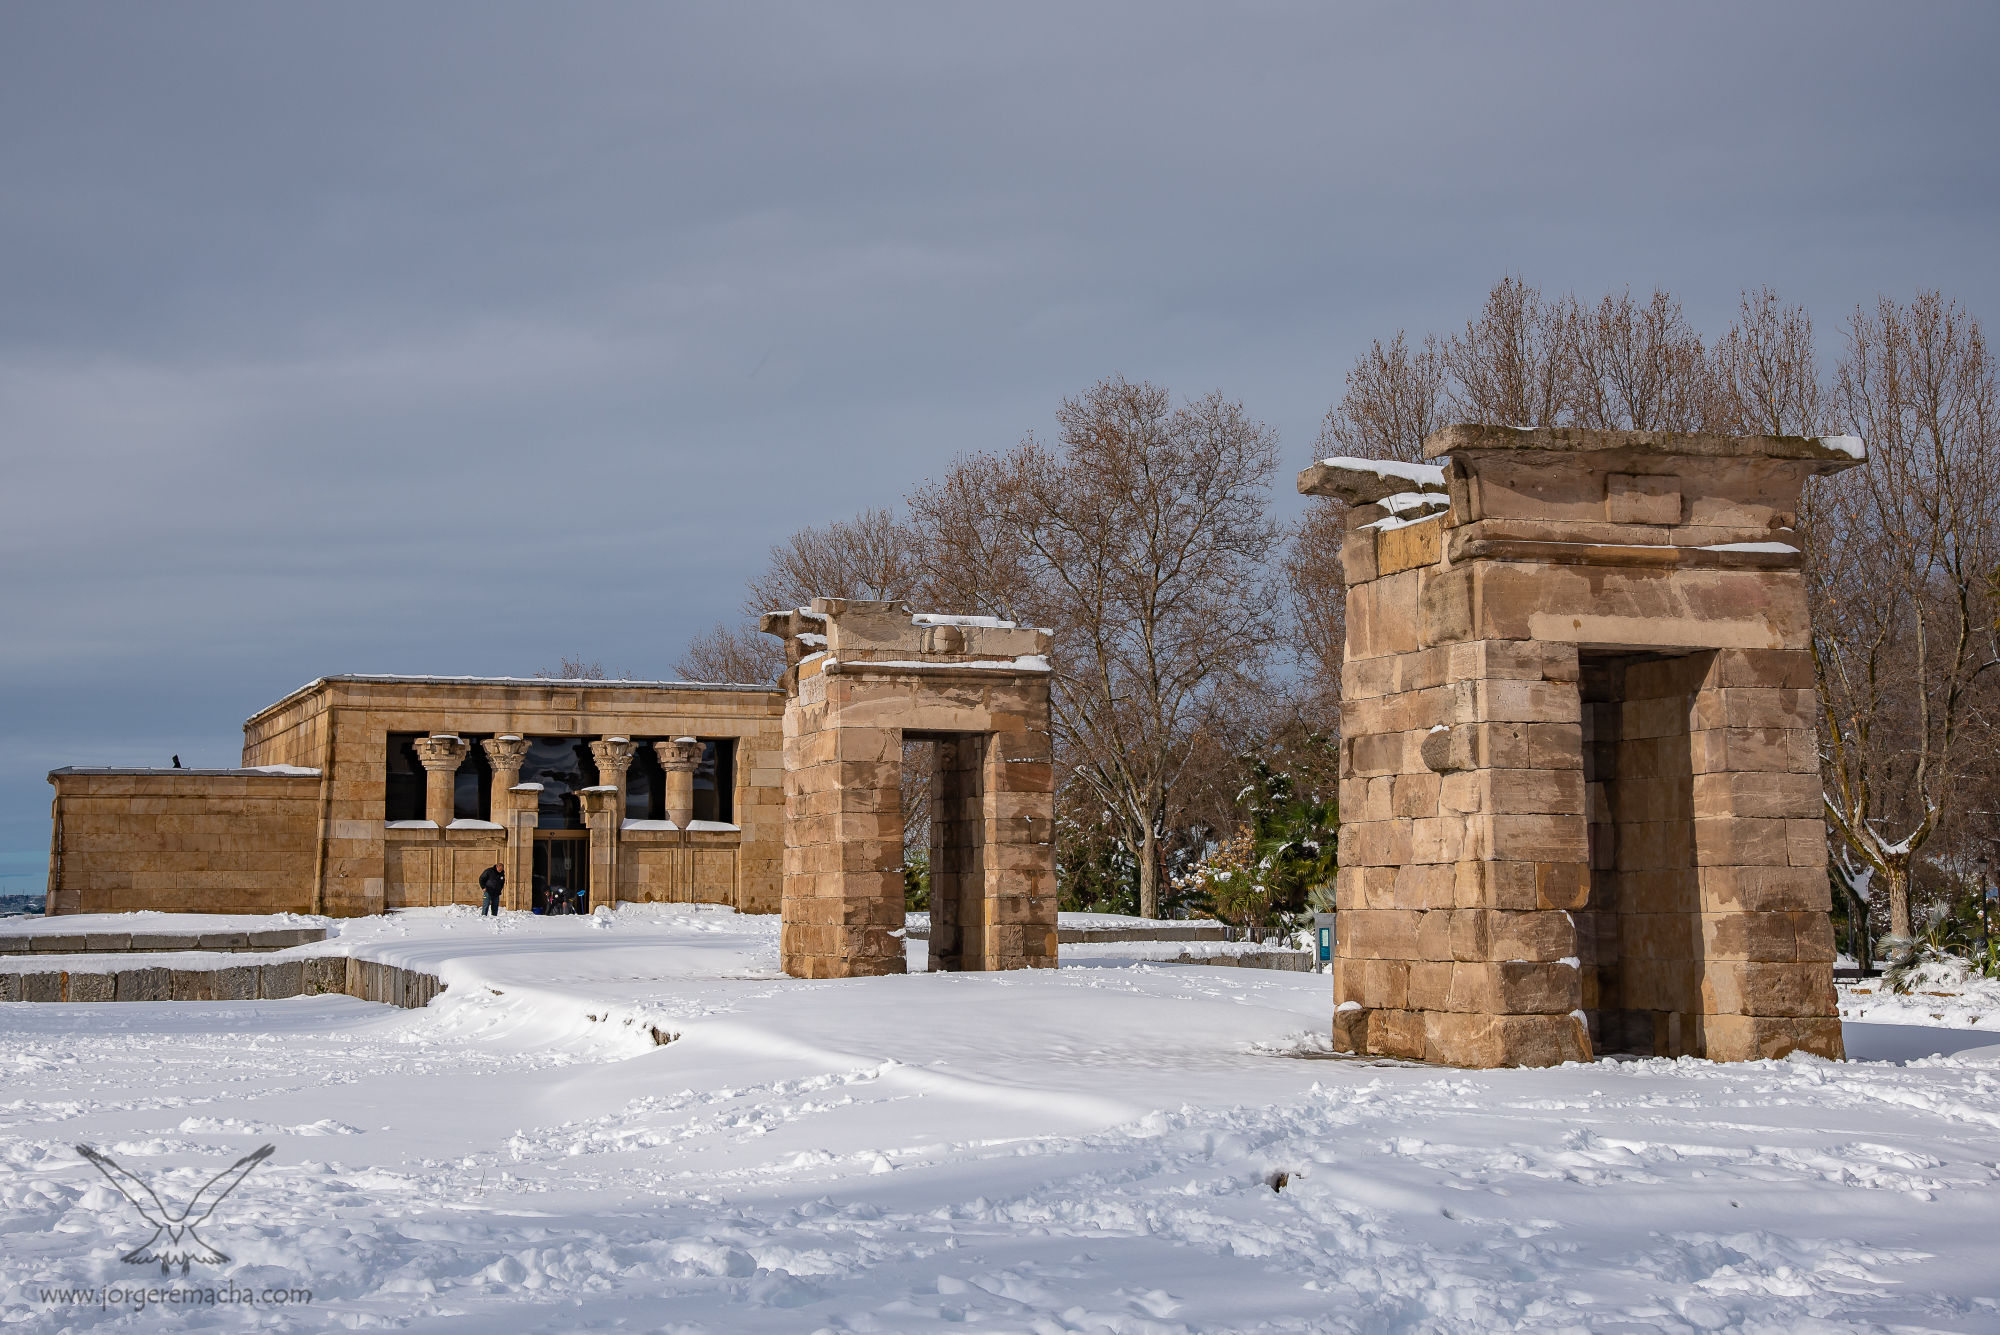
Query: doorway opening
[[1639, 936], [955, 811], [561, 876]]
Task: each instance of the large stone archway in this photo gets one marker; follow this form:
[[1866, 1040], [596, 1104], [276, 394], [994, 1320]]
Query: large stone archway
[[864, 677], [1580, 803]]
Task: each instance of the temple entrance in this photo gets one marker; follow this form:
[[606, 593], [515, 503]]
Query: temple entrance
[[561, 867], [1639, 935]]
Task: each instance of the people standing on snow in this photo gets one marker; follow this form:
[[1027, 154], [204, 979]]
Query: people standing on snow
[[492, 881]]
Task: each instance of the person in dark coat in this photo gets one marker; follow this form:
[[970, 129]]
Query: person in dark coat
[[493, 880]]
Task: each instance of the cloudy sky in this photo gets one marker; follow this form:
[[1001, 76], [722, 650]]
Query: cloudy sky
[[458, 337]]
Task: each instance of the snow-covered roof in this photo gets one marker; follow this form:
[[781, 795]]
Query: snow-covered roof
[[546, 683]]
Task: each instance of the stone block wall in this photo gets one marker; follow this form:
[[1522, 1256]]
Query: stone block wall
[[680, 867], [427, 868], [192, 841], [1579, 784]]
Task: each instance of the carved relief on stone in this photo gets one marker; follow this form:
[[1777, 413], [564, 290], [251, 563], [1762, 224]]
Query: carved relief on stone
[[680, 756], [442, 751], [614, 757], [506, 755]]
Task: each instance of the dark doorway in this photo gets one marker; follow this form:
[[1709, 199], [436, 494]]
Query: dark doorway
[[561, 867], [959, 903], [1639, 936]]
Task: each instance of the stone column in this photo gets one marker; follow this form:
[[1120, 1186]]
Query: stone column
[[1765, 941], [1017, 814], [441, 753], [505, 754], [602, 814], [614, 759], [680, 758]]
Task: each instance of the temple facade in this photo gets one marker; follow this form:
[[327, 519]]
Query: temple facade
[[360, 794]]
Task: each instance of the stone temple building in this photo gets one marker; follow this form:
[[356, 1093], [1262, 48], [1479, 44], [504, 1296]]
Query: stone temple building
[[1580, 796], [360, 794]]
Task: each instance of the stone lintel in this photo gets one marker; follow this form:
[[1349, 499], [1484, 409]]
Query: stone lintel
[[1827, 454]]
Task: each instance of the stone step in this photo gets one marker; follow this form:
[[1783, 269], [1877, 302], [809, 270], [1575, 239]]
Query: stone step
[[128, 943], [368, 980]]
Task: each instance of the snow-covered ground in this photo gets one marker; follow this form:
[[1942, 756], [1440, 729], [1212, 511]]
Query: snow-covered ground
[[1090, 1148], [78, 924], [1945, 993]]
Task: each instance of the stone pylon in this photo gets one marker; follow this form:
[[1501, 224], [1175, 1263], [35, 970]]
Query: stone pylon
[[1579, 784], [864, 677]]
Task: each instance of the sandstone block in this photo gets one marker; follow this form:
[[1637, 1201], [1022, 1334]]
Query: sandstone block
[[1350, 1027], [1379, 934], [145, 984], [1537, 935], [323, 974], [1515, 987], [46, 986], [283, 979], [1529, 838], [1396, 1033], [1797, 990], [1729, 1038], [1429, 985], [1764, 889], [1385, 983], [236, 983], [1487, 1041], [1790, 668], [81, 987]]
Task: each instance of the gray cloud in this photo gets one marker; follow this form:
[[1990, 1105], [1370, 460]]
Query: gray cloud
[[458, 337]]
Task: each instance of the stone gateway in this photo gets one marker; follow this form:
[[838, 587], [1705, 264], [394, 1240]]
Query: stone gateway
[[1580, 801], [863, 678]]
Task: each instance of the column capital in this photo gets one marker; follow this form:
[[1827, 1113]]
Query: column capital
[[441, 752], [682, 755], [505, 753], [613, 756]]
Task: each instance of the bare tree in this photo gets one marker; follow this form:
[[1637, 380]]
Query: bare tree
[[730, 654], [1639, 367], [1766, 372], [1142, 539], [1905, 633], [1316, 597], [1394, 401], [576, 669], [1514, 363], [869, 556]]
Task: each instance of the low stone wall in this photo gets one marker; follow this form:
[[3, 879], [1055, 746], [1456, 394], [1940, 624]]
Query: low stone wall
[[1296, 961], [124, 943], [367, 980], [1072, 936], [202, 841]]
